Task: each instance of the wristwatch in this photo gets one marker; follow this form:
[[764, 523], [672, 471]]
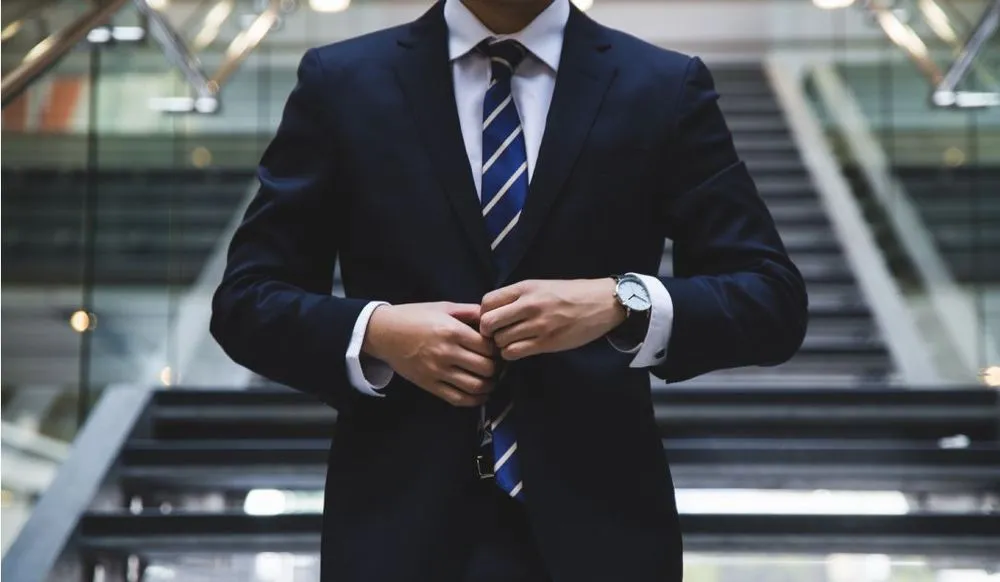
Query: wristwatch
[[632, 295]]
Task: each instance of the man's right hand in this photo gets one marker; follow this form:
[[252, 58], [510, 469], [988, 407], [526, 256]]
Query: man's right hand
[[436, 346]]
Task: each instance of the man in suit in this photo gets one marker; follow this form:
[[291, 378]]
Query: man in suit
[[497, 180]]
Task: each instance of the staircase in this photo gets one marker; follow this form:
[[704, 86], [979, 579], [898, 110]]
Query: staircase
[[203, 481], [183, 482], [843, 346], [961, 208], [149, 227]]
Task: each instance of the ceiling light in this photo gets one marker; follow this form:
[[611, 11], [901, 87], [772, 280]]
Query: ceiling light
[[832, 4], [329, 5], [264, 502], [213, 23], [10, 30], [991, 376], [128, 33], [938, 21], [99, 35], [584, 5], [902, 34], [82, 321], [166, 376]]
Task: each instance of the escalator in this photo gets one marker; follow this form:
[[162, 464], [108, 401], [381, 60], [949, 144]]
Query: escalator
[[843, 345], [961, 208], [156, 227]]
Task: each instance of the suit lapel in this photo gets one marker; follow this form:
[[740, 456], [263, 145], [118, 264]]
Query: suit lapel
[[424, 72], [585, 74]]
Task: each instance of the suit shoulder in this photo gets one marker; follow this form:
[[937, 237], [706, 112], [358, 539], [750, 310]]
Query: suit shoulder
[[636, 52], [360, 51]]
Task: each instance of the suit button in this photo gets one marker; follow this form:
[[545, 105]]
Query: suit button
[[660, 354]]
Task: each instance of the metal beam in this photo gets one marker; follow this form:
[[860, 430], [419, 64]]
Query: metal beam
[[50, 50]]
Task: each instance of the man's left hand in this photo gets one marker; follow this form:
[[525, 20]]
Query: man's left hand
[[543, 316]]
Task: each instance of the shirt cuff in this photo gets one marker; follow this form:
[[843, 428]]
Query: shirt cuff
[[367, 374], [653, 349]]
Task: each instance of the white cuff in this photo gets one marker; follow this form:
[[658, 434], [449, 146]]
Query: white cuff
[[367, 374], [653, 349]]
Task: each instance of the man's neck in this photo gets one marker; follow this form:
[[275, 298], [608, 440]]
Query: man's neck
[[506, 17]]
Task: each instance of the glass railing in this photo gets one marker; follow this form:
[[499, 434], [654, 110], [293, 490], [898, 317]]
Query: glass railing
[[117, 206], [698, 567], [920, 146]]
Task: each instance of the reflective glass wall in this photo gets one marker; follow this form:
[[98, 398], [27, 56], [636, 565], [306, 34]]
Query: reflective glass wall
[[915, 121]]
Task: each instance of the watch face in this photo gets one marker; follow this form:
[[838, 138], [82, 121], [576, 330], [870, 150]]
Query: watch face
[[634, 295]]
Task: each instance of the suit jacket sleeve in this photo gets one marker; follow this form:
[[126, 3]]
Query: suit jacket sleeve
[[273, 312], [738, 299]]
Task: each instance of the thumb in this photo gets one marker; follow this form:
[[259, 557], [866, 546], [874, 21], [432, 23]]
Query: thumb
[[467, 313]]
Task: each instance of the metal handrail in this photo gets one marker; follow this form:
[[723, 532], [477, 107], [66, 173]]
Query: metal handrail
[[945, 92], [247, 41], [48, 52], [905, 343], [951, 304], [53, 522]]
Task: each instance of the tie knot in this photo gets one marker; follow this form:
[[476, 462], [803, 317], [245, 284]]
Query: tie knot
[[505, 55]]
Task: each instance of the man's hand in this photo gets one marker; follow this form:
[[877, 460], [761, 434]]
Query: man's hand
[[437, 347], [536, 317]]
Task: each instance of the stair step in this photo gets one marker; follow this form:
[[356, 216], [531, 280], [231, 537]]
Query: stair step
[[948, 535], [301, 464]]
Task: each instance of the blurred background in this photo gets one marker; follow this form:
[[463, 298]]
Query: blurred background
[[134, 450]]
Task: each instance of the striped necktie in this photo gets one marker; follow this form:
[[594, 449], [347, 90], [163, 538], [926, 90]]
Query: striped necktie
[[504, 189]]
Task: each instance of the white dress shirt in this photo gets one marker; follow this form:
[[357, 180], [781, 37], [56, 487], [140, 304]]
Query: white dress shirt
[[532, 86]]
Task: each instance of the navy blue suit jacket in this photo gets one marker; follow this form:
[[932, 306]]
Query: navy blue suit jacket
[[368, 166]]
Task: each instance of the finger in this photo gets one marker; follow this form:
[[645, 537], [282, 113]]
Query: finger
[[515, 333], [456, 397], [491, 322], [503, 296], [468, 383], [471, 340], [467, 313], [474, 363], [521, 349]]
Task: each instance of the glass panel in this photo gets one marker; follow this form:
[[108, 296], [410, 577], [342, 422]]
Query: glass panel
[[710, 567], [941, 168], [115, 199]]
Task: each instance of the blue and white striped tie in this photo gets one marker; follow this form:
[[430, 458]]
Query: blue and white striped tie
[[504, 189]]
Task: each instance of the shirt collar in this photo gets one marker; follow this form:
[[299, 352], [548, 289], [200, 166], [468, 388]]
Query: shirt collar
[[543, 37]]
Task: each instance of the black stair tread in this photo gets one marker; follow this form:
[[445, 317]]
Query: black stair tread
[[765, 144], [681, 412], [301, 464], [771, 185], [958, 236], [767, 125], [759, 165], [741, 89], [921, 534], [154, 452]]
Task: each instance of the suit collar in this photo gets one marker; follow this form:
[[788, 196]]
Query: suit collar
[[543, 37], [585, 73]]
